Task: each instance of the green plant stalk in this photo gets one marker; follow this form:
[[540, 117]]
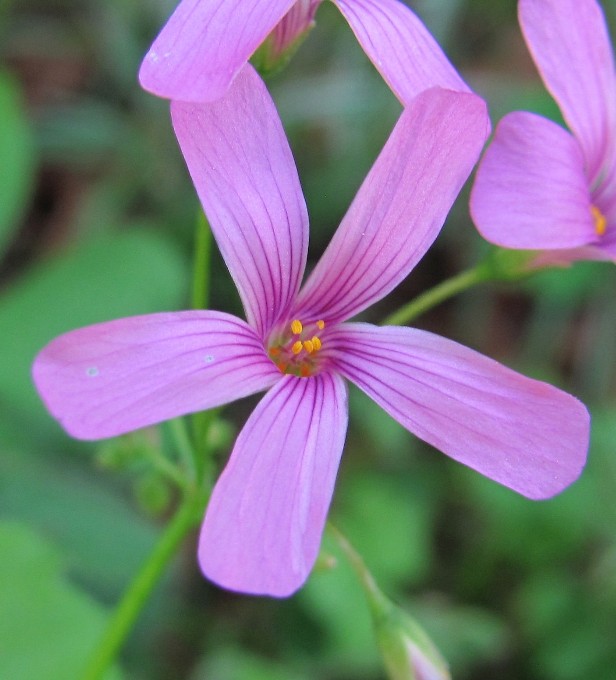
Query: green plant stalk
[[201, 269], [499, 264], [434, 296], [200, 300], [374, 596], [185, 449], [187, 516]]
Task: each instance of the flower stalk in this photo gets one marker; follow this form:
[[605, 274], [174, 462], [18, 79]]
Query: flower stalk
[[497, 265], [187, 517]]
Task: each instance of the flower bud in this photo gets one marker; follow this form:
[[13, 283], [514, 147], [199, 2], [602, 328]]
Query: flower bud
[[286, 37], [408, 653]]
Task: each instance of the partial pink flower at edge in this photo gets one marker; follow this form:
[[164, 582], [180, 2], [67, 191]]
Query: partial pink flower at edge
[[205, 43], [263, 525], [538, 186]]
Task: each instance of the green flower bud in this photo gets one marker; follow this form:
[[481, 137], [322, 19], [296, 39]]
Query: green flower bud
[[408, 653]]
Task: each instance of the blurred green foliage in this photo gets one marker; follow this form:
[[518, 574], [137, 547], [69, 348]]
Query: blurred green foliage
[[96, 221]]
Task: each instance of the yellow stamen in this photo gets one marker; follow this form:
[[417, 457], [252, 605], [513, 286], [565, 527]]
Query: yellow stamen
[[600, 221], [296, 327], [308, 346], [316, 343], [320, 324], [297, 347]]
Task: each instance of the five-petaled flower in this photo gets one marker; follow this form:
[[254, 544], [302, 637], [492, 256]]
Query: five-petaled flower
[[539, 187], [205, 43], [263, 525]]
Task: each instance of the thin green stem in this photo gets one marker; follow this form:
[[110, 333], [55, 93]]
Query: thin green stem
[[378, 602], [201, 270], [121, 623], [184, 447], [167, 468], [443, 291]]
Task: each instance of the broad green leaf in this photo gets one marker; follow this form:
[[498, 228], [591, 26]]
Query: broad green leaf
[[237, 663], [48, 627], [62, 495], [389, 519], [17, 158]]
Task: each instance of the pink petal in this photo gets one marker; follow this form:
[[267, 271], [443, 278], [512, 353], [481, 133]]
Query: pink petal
[[204, 44], [111, 378], [263, 525], [531, 190], [401, 206], [400, 47], [243, 170], [522, 433], [571, 47]]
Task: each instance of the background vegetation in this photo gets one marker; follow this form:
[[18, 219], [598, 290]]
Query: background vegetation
[[97, 216]]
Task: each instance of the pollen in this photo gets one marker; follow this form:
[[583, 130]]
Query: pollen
[[295, 347], [600, 221]]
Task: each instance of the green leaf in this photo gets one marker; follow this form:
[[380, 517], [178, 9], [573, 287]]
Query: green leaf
[[17, 154], [389, 520], [62, 496], [235, 663], [48, 627], [129, 273]]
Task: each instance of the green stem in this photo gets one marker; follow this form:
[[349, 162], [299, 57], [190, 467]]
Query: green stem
[[184, 447], [443, 291], [201, 271], [167, 468], [119, 626], [377, 601]]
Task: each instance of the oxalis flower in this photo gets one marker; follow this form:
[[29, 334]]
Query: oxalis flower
[[206, 42], [263, 525], [539, 186]]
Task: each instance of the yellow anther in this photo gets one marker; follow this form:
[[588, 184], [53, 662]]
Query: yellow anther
[[320, 324], [600, 221], [296, 327], [297, 347], [309, 346], [316, 343]]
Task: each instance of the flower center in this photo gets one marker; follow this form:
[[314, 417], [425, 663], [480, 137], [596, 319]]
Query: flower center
[[600, 221], [295, 349]]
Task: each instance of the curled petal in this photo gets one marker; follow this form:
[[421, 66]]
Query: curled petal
[[571, 47], [240, 162], [204, 44], [531, 190], [263, 525], [111, 378], [520, 432], [400, 47], [401, 206]]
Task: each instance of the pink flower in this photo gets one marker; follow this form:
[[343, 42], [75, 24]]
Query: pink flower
[[540, 187], [263, 526], [206, 42]]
